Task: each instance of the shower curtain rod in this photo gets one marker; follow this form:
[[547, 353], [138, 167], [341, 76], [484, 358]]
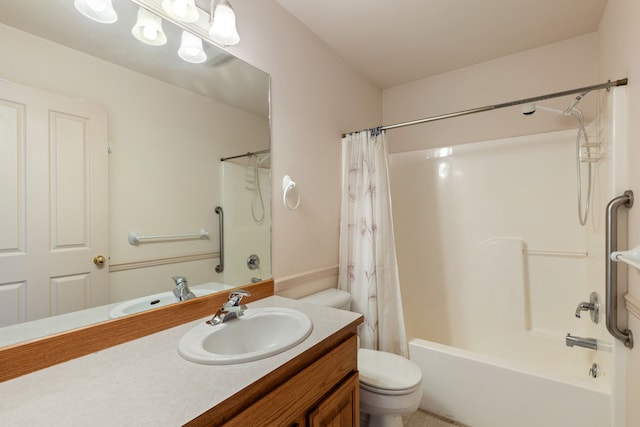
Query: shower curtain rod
[[582, 91], [247, 154]]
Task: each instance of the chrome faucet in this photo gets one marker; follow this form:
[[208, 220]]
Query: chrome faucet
[[231, 309], [182, 291], [584, 306], [590, 343], [593, 306]]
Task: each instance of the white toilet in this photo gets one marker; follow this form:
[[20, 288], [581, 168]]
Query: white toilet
[[390, 385]]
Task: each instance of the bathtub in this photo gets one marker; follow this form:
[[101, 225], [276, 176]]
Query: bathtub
[[494, 276], [492, 267], [482, 391]]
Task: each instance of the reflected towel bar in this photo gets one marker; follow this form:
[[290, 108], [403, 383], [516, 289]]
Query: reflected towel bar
[[134, 238], [551, 253], [625, 335]]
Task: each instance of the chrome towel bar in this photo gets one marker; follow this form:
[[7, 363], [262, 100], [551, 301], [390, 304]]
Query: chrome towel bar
[[625, 335]]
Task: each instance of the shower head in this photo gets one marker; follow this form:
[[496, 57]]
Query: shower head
[[529, 109]]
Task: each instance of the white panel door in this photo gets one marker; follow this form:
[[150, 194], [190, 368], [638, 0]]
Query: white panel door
[[54, 210]]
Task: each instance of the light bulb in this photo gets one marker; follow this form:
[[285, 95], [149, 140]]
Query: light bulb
[[97, 5], [223, 28], [191, 49], [148, 28], [181, 10], [149, 33], [97, 10]]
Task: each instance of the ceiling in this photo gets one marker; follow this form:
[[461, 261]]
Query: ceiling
[[392, 42]]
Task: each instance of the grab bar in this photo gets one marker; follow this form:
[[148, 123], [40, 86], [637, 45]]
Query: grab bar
[[220, 267], [625, 335], [134, 238]]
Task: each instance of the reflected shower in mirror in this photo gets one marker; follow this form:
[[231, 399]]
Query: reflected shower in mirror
[[107, 136], [245, 195]]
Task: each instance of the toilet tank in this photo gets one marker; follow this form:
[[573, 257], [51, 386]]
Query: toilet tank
[[330, 298]]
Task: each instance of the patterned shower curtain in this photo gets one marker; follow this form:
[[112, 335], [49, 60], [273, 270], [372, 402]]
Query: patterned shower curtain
[[368, 267]]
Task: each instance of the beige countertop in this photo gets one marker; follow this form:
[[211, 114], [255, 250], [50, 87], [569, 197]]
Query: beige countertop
[[145, 381]]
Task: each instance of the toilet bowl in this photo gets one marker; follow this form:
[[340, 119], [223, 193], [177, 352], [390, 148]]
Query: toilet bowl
[[390, 385]]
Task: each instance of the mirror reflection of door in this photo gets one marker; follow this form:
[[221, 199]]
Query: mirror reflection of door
[[53, 215]]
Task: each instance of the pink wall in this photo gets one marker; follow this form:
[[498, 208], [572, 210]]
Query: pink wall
[[315, 98], [560, 66]]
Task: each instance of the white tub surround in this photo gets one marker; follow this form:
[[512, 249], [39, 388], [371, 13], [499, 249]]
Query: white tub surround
[[504, 262], [504, 265], [146, 382]]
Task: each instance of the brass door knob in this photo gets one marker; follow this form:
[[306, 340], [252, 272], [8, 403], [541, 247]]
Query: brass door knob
[[99, 260]]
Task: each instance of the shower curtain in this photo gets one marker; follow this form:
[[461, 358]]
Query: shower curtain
[[368, 268]]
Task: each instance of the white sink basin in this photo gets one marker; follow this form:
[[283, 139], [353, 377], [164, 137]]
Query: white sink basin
[[151, 301], [260, 333]]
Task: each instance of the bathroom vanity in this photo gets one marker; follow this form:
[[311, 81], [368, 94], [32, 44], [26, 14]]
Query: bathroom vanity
[[325, 392], [146, 382]]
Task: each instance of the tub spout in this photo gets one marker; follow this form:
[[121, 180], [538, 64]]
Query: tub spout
[[590, 343]]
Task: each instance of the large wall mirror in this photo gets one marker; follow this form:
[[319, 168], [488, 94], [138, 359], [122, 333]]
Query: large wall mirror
[[103, 137]]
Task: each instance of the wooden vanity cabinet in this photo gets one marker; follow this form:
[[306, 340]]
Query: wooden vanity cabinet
[[339, 408], [318, 388]]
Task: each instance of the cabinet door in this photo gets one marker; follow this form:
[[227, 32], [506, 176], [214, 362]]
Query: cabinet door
[[339, 409]]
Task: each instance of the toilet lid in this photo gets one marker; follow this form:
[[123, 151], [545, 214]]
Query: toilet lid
[[387, 372]]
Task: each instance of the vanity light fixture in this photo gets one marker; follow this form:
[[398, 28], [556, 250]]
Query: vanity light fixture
[[191, 49], [148, 28], [97, 10], [223, 24], [182, 10]]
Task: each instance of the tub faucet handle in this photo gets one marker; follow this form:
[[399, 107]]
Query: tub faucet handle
[[593, 307], [584, 306]]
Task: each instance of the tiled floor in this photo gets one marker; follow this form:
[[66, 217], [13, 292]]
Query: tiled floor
[[424, 419]]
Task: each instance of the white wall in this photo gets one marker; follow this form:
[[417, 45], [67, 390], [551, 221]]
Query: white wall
[[503, 251], [618, 50]]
